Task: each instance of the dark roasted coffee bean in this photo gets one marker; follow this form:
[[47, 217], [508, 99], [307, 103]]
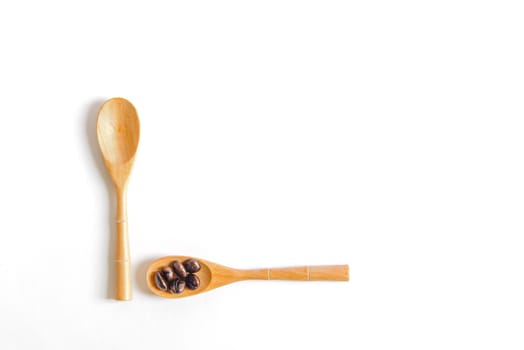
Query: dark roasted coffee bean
[[179, 269], [192, 281], [192, 265], [160, 282], [180, 286], [177, 286], [168, 273]]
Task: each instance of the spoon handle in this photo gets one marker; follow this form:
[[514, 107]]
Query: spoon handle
[[122, 268], [299, 273]]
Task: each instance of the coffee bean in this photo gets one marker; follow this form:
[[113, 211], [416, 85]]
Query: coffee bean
[[160, 282], [179, 269], [192, 281], [177, 286], [192, 265], [168, 273]]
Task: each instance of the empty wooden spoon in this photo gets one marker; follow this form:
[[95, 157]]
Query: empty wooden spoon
[[118, 131], [212, 275]]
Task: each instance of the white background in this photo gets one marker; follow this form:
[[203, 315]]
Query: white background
[[388, 135]]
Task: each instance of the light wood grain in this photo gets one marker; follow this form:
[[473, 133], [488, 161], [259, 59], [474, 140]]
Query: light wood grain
[[300, 273], [213, 275], [118, 131]]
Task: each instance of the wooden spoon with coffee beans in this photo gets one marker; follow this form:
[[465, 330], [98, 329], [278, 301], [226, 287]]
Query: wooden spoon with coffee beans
[[211, 275]]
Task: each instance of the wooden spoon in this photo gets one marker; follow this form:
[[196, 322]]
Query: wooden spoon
[[118, 131], [212, 275]]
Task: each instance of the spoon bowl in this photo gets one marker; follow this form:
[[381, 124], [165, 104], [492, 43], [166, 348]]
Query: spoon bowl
[[118, 132], [213, 275]]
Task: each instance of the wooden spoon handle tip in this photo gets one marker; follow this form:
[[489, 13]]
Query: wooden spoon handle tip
[[123, 280]]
